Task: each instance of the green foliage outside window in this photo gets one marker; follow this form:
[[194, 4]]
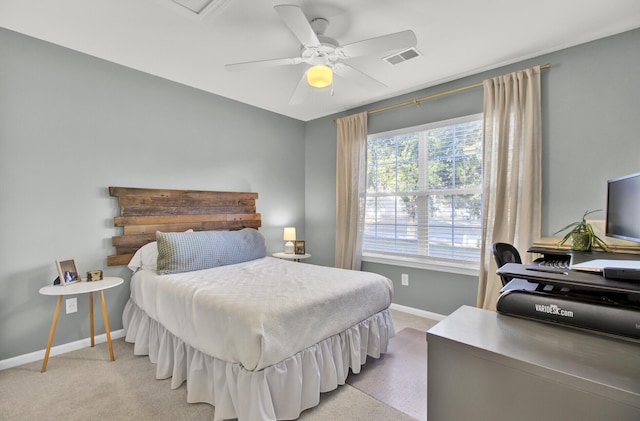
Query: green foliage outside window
[[423, 186]]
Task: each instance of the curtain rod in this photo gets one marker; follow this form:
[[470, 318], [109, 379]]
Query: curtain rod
[[424, 98]]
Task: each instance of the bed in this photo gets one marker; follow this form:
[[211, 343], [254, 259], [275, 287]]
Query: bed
[[256, 337]]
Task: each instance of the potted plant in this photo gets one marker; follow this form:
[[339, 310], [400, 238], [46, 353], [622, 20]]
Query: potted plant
[[583, 238]]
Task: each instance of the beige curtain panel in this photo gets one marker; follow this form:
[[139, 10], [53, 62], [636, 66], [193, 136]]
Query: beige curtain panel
[[512, 171], [351, 164]]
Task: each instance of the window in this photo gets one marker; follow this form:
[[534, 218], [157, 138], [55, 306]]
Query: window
[[424, 194]]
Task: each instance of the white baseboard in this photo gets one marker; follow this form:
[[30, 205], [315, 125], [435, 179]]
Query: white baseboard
[[84, 343], [57, 350], [417, 312]]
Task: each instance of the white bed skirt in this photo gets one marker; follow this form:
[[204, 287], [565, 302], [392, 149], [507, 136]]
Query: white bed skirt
[[280, 391]]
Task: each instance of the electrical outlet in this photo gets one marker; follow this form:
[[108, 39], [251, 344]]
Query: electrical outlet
[[72, 305], [405, 280]]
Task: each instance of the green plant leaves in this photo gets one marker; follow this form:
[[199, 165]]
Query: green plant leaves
[[583, 227]]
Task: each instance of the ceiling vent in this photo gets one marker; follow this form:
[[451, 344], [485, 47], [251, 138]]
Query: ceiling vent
[[200, 8], [402, 56]]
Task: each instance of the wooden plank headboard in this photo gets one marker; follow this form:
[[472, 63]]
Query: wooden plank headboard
[[145, 211]]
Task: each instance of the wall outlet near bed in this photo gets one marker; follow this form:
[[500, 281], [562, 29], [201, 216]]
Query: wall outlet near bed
[[405, 280], [72, 305]]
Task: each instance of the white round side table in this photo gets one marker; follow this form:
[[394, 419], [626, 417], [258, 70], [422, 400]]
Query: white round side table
[[80, 288], [291, 256]]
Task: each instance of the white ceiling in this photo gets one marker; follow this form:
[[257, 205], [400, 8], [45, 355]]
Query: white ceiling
[[455, 37]]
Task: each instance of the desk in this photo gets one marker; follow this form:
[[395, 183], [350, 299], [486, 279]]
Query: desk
[[488, 366], [75, 289]]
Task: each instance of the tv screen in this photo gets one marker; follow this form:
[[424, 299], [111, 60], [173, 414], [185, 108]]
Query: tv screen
[[623, 208]]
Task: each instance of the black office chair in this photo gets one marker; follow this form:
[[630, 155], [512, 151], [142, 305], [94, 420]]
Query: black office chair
[[505, 253]]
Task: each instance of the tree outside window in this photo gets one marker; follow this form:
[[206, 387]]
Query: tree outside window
[[424, 186]]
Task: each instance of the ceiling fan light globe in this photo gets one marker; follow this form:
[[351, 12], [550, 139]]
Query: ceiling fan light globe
[[319, 76]]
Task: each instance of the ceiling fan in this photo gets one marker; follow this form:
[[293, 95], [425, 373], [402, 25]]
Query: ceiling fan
[[324, 56]]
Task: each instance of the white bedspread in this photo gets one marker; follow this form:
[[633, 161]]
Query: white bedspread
[[260, 312]]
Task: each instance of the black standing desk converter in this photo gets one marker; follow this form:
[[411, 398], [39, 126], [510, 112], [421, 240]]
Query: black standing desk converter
[[574, 256], [612, 264], [572, 298], [576, 280]]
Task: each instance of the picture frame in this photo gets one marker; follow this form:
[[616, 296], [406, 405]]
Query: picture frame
[[299, 247], [94, 275], [68, 271]]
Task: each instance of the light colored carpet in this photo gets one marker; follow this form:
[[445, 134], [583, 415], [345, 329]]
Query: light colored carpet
[[399, 377], [85, 385]]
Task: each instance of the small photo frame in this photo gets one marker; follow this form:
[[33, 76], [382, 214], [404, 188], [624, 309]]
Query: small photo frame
[[299, 247], [94, 275], [68, 271]]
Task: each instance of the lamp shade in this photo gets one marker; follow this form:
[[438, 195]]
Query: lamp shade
[[290, 234], [319, 76]]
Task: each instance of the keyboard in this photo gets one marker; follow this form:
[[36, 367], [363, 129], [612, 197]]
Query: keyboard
[[553, 263]]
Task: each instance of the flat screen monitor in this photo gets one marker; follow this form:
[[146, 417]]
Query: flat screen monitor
[[623, 208]]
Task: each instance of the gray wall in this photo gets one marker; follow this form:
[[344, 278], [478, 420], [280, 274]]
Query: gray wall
[[70, 127], [590, 111]]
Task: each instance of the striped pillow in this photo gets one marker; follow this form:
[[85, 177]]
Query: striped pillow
[[188, 251]]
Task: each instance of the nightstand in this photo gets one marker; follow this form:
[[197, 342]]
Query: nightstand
[[291, 256], [75, 289]]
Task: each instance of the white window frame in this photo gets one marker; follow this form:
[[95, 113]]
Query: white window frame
[[425, 262]]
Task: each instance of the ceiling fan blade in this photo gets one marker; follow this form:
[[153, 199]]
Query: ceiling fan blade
[[298, 24], [357, 77], [261, 64], [301, 89], [397, 41]]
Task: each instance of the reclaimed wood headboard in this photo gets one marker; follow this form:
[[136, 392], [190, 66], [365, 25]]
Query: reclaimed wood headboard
[[145, 211]]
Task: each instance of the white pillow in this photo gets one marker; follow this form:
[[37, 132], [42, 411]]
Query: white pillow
[[146, 257]]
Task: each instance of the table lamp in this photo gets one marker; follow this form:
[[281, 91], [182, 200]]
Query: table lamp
[[289, 237]]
